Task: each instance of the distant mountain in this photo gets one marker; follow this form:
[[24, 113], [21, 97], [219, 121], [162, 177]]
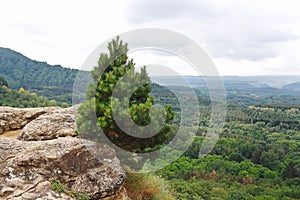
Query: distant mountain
[[258, 85], [292, 86], [52, 81], [56, 82]]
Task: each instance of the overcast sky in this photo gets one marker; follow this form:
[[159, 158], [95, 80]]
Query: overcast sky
[[242, 37]]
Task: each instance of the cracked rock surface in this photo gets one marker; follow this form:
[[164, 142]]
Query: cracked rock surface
[[80, 165], [17, 118], [47, 149], [51, 125]]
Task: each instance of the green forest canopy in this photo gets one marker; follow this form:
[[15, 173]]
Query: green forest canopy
[[52, 81]]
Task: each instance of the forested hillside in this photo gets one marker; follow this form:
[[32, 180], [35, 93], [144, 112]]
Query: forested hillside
[[257, 156], [25, 99], [54, 82]]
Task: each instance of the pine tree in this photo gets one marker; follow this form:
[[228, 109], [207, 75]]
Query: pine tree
[[97, 110]]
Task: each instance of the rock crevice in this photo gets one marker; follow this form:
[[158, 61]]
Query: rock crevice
[[17, 118]]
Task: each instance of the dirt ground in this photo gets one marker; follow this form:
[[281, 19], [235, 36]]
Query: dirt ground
[[11, 134]]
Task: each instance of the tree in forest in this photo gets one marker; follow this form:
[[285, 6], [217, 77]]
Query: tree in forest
[[235, 195], [290, 171], [236, 156], [3, 82], [98, 109]]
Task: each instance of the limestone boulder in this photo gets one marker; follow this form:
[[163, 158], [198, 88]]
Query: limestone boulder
[[82, 166], [51, 125], [17, 118]]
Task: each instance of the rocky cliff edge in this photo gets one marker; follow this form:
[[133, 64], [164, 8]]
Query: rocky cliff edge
[[49, 161]]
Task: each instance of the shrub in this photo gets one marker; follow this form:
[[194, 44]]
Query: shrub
[[147, 186]]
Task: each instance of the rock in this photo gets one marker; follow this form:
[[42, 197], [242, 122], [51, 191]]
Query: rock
[[17, 118], [80, 165], [58, 123]]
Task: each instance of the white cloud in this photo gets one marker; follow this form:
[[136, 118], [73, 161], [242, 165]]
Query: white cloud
[[59, 32], [242, 37], [286, 63], [161, 63]]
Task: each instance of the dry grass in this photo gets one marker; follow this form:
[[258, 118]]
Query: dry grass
[[147, 187]]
